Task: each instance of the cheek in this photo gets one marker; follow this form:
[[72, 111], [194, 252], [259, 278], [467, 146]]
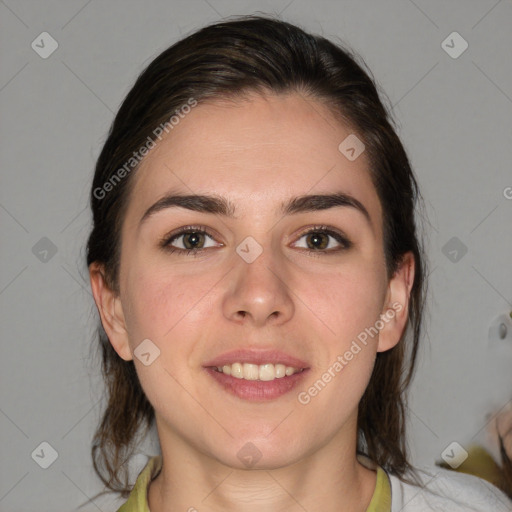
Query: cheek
[[162, 302], [168, 309], [349, 302], [349, 307]]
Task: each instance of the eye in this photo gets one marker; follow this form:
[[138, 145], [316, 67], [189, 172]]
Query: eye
[[195, 239], [189, 239], [323, 239]]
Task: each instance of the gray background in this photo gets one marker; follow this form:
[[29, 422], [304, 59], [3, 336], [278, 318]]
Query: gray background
[[455, 117]]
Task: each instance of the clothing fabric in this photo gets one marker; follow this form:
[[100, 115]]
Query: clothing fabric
[[442, 491], [138, 502], [448, 491], [480, 463]]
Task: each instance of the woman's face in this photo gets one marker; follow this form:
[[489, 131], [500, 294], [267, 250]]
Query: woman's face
[[276, 276]]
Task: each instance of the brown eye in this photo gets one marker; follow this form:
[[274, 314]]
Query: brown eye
[[189, 240], [193, 240], [323, 239], [317, 240]]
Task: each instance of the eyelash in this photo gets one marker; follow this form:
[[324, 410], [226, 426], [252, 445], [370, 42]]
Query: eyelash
[[166, 241]]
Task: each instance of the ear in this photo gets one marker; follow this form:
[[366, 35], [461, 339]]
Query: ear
[[396, 306], [111, 311]]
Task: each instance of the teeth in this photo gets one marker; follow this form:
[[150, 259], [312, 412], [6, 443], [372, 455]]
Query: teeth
[[263, 372]]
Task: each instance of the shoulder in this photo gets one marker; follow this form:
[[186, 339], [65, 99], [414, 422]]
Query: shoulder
[[137, 501], [446, 490]]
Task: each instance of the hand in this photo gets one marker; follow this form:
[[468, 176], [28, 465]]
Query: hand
[[502, 424]]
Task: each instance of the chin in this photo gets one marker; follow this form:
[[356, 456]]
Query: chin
[[260, 453]]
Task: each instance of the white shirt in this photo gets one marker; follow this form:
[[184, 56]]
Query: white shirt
[[447, 491]]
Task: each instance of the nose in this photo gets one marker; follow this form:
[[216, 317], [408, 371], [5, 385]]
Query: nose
[[257, 292]]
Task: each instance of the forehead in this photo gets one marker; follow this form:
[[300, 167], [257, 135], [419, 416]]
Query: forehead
[[257, 152]]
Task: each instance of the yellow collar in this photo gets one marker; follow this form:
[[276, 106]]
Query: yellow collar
[[138, 501]]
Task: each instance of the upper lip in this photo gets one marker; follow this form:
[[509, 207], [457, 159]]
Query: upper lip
[[259, 357]]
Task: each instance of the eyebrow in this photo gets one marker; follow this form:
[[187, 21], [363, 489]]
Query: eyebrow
[[221, 206]]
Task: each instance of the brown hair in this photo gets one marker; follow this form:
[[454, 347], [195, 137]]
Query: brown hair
[[225, 60]]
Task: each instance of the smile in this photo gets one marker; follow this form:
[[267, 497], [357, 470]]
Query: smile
[[262, 372]]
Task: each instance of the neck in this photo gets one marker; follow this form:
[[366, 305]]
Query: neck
[[331, 479]]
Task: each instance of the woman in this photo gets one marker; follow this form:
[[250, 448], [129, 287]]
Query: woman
[[255, 264]]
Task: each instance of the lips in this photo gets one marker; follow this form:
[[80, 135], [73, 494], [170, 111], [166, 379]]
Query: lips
[[258, 357], [257, 390], [260, 390]]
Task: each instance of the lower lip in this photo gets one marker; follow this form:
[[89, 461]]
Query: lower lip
[[257, 390]]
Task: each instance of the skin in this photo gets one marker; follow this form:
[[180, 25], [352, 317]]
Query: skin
[[501, 424], [258, 153]]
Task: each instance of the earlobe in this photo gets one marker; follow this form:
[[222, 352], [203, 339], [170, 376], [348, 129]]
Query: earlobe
[[111, 311], [396, 306]]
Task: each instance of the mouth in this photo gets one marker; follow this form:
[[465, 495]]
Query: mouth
[[257, 375], [264, 372]]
